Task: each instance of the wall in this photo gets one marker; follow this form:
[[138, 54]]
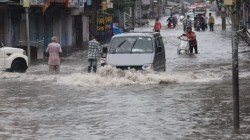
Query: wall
[[85, 33]]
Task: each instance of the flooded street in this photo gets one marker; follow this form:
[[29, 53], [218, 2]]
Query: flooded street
[[191, 100]]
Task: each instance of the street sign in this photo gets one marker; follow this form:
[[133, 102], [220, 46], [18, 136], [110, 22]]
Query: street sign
[[26, 3]]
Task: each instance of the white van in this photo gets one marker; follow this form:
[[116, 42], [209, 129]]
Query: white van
[[141, 51]]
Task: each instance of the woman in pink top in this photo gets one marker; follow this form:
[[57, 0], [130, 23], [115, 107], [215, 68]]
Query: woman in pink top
[[157, 26], [54, 49]]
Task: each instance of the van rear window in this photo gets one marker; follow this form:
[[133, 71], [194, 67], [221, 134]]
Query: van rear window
[[131, 44]]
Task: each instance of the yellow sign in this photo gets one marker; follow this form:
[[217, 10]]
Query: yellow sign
[[229, 2], [26, 3]]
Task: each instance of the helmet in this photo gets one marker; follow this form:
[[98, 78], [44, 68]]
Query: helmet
[[189, 27]]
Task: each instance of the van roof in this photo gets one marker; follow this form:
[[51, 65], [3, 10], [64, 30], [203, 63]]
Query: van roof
[[146, 34]]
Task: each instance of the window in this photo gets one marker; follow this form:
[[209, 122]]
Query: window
[[131, 44]]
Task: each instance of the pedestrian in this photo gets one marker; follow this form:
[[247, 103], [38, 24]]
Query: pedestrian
[[103, 56], [211, 22], [196, 18], [93, 53], [175, 19], [187, 23], [157, 26], [54, 48], [206, 19], [192, 40]]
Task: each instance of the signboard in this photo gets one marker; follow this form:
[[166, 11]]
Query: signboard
[[229, 2], [37, 2], [25, 3], [76, 3], [105, 25], [101, 24], [109, 25]]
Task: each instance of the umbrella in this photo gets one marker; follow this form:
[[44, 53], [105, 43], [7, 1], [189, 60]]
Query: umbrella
[[117, 30]]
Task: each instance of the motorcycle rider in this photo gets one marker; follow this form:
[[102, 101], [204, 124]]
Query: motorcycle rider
[[171, 20], [175, 19], [195, 21], [192, 40], [202, 22], [187, 23]]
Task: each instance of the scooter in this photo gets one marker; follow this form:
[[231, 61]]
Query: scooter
[[183, 47]]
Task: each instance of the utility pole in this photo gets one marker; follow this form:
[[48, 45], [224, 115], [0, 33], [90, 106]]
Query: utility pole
[[133, 14], [94, 16], [223, 17], [235, 67], [140, 15], [158, 9], [26, 5]]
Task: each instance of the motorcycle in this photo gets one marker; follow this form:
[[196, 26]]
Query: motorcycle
[[171, 24], [183, 47]]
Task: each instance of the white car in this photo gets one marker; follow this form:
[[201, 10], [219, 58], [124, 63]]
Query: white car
[[13, 59]]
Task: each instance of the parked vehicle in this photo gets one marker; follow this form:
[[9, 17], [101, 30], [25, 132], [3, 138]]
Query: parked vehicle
[[141, 51], [13, 59]]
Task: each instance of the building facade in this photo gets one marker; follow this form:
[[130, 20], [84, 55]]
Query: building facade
[[62, 18]]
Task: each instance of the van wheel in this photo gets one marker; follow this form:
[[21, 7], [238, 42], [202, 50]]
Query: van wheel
[[18, 66]]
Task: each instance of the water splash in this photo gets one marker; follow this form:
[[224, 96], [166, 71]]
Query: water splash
[[110, 76]]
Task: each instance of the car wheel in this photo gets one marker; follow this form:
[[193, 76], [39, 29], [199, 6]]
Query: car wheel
[[18, 66]]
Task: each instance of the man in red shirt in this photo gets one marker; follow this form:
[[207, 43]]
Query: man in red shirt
[[192, 40], [157, 26]]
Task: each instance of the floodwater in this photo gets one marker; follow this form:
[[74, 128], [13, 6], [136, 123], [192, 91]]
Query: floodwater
[[191, 100]]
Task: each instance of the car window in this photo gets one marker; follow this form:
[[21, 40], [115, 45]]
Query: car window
[[131, 44]]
